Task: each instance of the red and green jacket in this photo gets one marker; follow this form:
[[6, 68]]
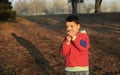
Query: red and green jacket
[[76, 53]]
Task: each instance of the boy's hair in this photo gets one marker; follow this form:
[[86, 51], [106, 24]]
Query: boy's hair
[[72, 18]]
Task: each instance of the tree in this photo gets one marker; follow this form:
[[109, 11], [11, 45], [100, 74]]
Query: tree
[[57, 6], [97, 6], [74, 5], [6, 10], [31, 7]]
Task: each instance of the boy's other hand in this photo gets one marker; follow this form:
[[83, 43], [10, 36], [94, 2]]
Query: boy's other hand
[[68, 39], [71, 33]]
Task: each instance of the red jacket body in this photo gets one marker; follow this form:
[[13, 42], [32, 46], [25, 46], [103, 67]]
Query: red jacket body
[[76, 53]]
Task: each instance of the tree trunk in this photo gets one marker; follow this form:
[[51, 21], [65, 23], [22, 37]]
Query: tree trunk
[[74, 6], [97, 6]]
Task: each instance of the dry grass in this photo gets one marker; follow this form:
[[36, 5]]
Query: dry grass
[[30, 46]]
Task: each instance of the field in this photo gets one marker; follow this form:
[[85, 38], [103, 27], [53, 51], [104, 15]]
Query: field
[[30, 45]]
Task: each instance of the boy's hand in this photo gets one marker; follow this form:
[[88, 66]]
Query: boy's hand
[[68, 39], [71, 33]]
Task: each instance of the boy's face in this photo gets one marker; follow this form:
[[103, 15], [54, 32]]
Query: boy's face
[[72, 27]]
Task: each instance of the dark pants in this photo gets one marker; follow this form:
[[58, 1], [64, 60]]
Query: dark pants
[[77, 73]]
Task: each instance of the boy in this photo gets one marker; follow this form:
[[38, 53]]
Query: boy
[[75, 48]]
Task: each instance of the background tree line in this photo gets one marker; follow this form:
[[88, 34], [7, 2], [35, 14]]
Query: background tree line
[[42, 7], [38, 7]]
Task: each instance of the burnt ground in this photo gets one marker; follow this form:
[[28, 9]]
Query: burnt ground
[[30, 45]]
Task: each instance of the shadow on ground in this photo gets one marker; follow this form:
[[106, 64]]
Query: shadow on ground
[[36, 54]]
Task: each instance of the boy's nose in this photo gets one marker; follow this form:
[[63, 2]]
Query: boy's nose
[[68, 29]]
